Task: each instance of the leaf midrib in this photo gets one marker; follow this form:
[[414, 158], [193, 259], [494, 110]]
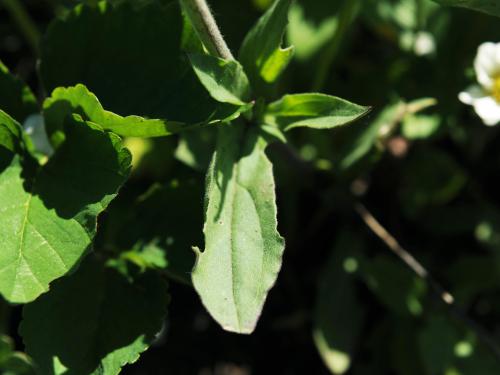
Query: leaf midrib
[[21, 257]]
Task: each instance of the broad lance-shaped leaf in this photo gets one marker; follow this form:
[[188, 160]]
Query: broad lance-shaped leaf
[[15, 97], [261, 54], [48, 213], [486, 6], [95, 321], [243, 248], [338, 314], [133, 59], [225, 80], [316, 111]]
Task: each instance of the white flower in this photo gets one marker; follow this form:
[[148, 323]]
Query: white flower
[[485, 97]]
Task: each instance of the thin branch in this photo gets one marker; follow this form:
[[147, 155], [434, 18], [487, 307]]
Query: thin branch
[[24, 22], [204, 23], [423, 273]]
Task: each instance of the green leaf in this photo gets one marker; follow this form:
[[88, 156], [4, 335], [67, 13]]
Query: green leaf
[[10, 136], [420, 126], [338, 314], [12, 362], [94, 321], [195, 149], [360, 140], [15, 97], [79, 100], [151, 229], [316, 111], [395, 286], [261, 54], [225, 80], [487, 6], [243, 248], [132, 58], [431, 177], [436, 342], [48, 213], [312, 25]]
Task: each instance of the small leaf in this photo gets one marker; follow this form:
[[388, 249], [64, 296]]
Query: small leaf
[[316, 111], [94, 321], [150, 228], [395, 286], [431, 177], [338, 314], [243, 248], [261, 54], [361, 139], [487, 6], [225, 80], [420, 126], [195, 149], [16, 98], [49, 213], [12, 362], [312, 25]]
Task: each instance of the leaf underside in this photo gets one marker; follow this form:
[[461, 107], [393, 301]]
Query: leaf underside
[[243, 248]]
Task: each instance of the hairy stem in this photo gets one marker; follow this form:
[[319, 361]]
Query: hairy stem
[[24, 22], [446, 297], [204, 23], [347, 15]]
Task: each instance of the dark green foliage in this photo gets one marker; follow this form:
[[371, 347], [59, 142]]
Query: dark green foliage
[[131, 156]]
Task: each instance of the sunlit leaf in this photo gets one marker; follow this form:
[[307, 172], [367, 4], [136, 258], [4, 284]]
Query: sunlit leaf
[[316, 111], [243, 248], [261, 54], [49, 213], [224, 80]]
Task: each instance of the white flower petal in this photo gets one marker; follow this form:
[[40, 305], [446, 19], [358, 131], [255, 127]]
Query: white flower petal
[[487, 63], [488, 109], [471, 94]]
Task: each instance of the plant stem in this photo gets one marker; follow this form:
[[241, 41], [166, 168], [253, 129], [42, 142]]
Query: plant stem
[[347, 15], [204, 23], [446, 297], [24, 22]]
